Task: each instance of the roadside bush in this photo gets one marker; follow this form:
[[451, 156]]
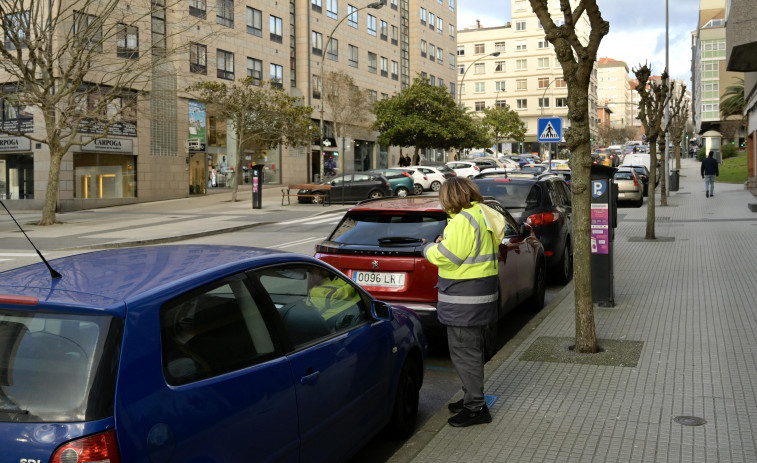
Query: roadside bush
[[701, 154], [729, 150]]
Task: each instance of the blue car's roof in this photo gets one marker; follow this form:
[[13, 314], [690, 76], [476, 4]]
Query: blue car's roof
[[105, 278]]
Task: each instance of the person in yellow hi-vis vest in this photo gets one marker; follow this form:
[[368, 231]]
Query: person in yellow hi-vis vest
[[330, 296], [466, 255]]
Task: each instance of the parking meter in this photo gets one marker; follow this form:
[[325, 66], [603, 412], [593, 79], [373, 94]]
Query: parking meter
[[257, 186], [604, 220]]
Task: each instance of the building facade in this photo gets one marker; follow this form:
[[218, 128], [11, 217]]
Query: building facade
[[514, 64], [172, 145], [614, 91]]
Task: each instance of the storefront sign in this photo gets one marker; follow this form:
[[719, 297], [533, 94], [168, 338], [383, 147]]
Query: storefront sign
[[198, 138], [108, 145], [9, 144]]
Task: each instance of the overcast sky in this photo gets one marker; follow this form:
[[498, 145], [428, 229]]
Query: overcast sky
[[637, 30]]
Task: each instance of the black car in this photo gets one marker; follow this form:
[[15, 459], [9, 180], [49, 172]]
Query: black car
[[545, 204], [355, 186]]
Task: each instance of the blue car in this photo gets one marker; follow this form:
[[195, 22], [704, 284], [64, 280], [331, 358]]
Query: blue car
[[200, 354]]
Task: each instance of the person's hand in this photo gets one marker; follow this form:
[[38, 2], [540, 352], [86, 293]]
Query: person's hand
[[439, 239]]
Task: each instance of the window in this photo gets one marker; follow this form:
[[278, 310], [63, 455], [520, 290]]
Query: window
[[451, 32], [372, 59], [384, 67], [88, 30], [479, 87], [395, 70], [198, 58], [544, 102], [452, 8], [332, 49], [423, 16], [332, 7], [538, 25], [462, 89], [542, 43], [316, 6], [499, 46], [461, 69], [371, 25], [521, 103], [542, 62], [225, 64], [127, 42], [451, 61], [500, 104], [479, 105], [560, 83], [277, 75], [479, 49], [440, 56], [255, 70], [395, 34], [561, 102], [521, 84], [276, 29], [499, 66], [452, 90], [225, 13], [479, 68], [431, 20], [19, 24], [499, 86], [352, 60], [383, 29], [197, 8], [521, 64], [520, 5], [393, 4], [372, 97], [543, 82], [460, 51], [424, 47], [352, 16], [520, 25], [439, 25], [317, 43], [441, 82], [431, 52], [254, 22], [521, 45], [317, 87]]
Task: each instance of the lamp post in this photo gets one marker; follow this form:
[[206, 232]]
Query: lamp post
[[374, 6], [462, 80]]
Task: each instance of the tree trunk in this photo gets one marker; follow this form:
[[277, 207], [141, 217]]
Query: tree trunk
[[53, 182], [650, 234], [663, 175], [238, 169]]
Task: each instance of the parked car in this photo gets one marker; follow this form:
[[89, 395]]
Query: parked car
[[630, 186], [434, 175], [543, 202], [441, 167], [378, 245], [464, 168], [351, 187], [643, 174], [199, 353], [533, 168], [401, 180], [562, 173], [488, 163]]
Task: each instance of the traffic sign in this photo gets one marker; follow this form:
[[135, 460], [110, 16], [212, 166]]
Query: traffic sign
[[549, 129], [643, 137]]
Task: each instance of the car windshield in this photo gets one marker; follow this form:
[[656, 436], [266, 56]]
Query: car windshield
[[623, 176], [57, 368], [389, 228], [510, 194]]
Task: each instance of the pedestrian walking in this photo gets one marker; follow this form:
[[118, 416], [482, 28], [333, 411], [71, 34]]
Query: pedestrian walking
[[416, 160], [466, 255], [709, 171], [403, 161]]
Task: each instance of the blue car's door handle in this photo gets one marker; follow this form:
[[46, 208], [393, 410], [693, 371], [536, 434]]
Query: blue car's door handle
[[310, 377]]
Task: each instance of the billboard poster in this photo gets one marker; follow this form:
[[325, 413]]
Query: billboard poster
[[197, 126]]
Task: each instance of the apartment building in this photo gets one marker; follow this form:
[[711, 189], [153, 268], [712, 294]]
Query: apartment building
[[514, 64], [614, 91], [172, 143], [710, 76]]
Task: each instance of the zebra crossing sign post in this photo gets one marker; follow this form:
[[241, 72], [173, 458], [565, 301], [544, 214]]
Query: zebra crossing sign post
[[549, 129]]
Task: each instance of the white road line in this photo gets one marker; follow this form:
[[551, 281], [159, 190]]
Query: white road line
[[17, 254], [322, 219], [299, 242]]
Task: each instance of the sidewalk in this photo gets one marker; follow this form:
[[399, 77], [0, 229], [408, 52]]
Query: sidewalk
[[689, 302]]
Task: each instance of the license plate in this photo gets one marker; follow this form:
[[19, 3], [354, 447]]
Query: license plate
[[381, 279]]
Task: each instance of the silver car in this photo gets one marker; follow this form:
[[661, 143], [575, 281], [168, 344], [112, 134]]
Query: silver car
[[630, 186]]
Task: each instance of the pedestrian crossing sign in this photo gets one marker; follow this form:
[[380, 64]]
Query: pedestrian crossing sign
[[549, 129]]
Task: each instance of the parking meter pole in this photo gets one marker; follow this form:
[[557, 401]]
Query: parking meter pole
[[604, 220], [257, 186]]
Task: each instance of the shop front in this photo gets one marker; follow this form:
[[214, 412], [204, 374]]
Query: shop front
[[105, 168], [16, 168]]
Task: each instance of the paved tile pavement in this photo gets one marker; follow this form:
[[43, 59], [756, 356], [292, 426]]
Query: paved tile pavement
[[691, 300]]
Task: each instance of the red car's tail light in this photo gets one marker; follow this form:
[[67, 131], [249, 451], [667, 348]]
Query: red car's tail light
[[100, 448], [635, 182], [476, 167], [406, 174], [18, 300], [543, 218]]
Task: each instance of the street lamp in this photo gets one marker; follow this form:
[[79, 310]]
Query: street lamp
[[462, 80], [374, 6]]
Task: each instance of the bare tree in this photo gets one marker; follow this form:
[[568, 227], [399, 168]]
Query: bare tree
[[730, 129], [678, 126], [654, 96], [81, 66], [348, 105], [577, 60], [675, 107]]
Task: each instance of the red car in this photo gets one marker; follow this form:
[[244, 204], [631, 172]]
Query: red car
[[378, 244]]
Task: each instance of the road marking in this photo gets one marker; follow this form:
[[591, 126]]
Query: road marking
[[298, 242], [17, 254], [322, 219]]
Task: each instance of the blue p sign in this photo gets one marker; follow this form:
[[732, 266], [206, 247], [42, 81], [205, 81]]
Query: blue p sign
[[598, 188]]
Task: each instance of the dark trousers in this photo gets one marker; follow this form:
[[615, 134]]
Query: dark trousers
[[466, 350]]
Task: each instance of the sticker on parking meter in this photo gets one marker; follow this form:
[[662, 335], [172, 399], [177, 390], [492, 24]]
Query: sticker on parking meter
[[598, 188], [600, 229]]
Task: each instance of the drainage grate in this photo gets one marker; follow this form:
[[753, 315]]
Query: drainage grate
[[690, 420]]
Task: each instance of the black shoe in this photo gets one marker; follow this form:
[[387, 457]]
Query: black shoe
[[456, 407], [469, 418], [712, 194], [707, 194]]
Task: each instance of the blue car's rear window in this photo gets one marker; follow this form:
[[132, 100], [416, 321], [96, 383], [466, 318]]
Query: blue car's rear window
[[57, 367]]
